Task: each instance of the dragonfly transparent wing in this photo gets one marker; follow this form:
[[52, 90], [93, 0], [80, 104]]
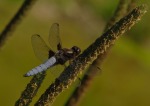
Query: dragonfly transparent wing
[[54, 38], [41, 50], [57, 70]]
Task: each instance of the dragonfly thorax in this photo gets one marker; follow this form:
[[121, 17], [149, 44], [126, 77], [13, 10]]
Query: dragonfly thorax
[[65, 54], [76, 50]]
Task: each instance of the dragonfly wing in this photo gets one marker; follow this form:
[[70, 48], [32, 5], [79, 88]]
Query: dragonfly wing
[[41, 50], [57, 70], [54, 38]]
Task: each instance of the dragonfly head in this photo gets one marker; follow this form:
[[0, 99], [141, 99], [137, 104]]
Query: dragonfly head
[[76, 50]]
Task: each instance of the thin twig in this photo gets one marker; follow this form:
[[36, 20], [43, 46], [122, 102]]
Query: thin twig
[[31, 90], [132, 5], [10, 27], [79, 92], [100, 46], [118, 14]]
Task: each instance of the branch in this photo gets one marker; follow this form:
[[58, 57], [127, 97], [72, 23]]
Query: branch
[[79, 92], [121, 10], [100, 46], [31, 90], [132, 5], [15, 20]]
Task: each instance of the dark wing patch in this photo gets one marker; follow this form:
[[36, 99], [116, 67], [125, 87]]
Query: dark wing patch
[[51, 53]]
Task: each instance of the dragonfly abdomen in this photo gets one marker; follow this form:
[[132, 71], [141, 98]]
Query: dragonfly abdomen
[[49, 63]]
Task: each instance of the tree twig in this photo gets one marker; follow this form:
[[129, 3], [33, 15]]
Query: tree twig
[[10, 27], [31, 90], [131, 5], [118, 14], [79, 92], [100, 46]]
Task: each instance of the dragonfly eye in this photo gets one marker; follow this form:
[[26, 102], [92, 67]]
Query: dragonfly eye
[[76, 50]]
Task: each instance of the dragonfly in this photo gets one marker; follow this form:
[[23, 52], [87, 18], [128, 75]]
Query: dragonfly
[[51, 56]]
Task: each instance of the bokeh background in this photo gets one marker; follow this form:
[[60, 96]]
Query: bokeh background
[[125, 77]]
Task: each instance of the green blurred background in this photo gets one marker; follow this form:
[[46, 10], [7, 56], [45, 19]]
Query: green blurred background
[[125, 76]]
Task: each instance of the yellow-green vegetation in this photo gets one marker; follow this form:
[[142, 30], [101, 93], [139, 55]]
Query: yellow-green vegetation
[[124, 80]]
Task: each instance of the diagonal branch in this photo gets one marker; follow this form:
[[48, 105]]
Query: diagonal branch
[[100, 46], [10, 27], [132, 5], [79, 92], [118, 14], [31, 90]]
